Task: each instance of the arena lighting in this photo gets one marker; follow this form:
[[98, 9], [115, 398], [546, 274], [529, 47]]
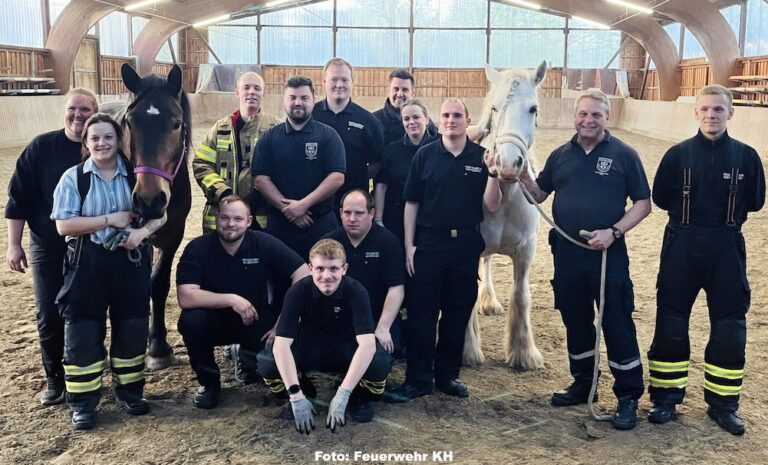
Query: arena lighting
[[524, 4], [276, 3], [590, 22], [217, 19], [632, 6], [142, 4]]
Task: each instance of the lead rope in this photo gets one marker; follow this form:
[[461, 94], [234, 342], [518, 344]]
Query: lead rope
[[599, 323]]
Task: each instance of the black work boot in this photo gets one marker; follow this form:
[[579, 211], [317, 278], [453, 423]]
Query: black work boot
[[83, 420], [575, 394], [207, 397], [625, 417], [54, 391], [360, 408], [661, 413], [727, 420]]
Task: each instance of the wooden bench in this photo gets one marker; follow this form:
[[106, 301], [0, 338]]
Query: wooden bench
[[753, 89]]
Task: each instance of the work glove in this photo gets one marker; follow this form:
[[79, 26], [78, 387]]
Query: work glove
[[337, 408], [303, 414]]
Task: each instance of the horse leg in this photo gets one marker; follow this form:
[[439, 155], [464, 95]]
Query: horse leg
[[160, 355], [473, 354], [487, 302], [520, 347]]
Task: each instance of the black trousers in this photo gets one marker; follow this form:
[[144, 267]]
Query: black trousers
[[577, 294], [46, 264], [692, 259], [203, 329], [300, 240], [439, 301], [328, 358], [105, 283]]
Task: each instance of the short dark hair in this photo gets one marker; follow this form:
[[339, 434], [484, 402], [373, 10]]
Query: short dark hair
[[294, 82], [100, 118], [234, 198], [402, 73], [368, 198]]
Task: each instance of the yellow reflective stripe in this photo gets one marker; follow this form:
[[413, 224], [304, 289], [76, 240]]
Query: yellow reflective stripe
[[211, 179], [74, 370], [223, 144], [127, 362], [77, 387], [128, 377], [223, 173], [205, 156], [376, 387], [669, 383], [275, 385], [668, 367], [206, 150], [721, 389], [723, 372]]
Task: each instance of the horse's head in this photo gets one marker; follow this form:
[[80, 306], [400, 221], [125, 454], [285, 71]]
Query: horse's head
[[509, 117], [156, 137]]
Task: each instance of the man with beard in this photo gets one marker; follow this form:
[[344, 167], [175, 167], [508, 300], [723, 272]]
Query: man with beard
[[402, 88], [298, 166], [30, 200], [222, 161], [224, 286]]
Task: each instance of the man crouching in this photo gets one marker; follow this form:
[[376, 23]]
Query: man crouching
[[329, 317]]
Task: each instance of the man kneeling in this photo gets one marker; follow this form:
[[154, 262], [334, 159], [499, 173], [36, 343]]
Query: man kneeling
[[329, 317]]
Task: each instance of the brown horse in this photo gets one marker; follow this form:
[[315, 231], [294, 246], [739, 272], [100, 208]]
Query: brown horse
[[157, 135]]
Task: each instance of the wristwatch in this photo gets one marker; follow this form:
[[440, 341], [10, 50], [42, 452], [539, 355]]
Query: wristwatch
[[616, 232], [295, 389]]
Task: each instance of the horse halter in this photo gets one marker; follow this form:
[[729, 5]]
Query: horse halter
[[507, 137], [162, 173]]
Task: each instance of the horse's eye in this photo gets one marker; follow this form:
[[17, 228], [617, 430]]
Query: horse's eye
[[176, 125], [493, 109], [534, 109]]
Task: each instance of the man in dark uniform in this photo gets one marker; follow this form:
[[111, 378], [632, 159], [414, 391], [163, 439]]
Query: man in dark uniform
[[375, 258], [592, 176], [224, 284], [326, 325], [359, 130], [707, 184], [298, 166], [402, 88], [30, 200], [445, 193]]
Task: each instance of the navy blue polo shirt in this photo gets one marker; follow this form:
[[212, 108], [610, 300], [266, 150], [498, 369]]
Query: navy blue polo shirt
[[260, 259], [298, 161], [312, 318], [363, 140], [378, 262], [591, 190], [449, 189]]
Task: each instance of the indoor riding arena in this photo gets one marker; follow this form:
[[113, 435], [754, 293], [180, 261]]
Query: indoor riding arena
[[650, 56]]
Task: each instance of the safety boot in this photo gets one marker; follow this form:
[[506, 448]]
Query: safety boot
[[625, 417], [727, 420], [54, 391], [83, 420], [575, 394], [661, 413]]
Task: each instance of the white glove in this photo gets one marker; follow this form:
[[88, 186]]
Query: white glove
[[303, 414], [337, 408]]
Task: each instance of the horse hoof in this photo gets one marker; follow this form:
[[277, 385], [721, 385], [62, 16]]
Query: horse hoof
[[525, 362], [159, 363], [491, 309]]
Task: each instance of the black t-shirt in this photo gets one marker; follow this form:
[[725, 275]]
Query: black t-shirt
[[591, 190], [30, 192], [449, 189], [298, 161], [312, 318], [378, 263], [711, 163], [250, 273], [362, 137]]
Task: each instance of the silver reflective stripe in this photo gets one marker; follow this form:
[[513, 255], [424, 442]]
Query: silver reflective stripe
[[582, 356], [627, 366]]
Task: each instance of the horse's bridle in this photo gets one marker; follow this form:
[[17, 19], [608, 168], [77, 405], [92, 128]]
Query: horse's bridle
[[506, 137], [162, 173]]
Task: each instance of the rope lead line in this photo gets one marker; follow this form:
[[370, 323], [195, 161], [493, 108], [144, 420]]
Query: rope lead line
[[117, 238], [599, 322]]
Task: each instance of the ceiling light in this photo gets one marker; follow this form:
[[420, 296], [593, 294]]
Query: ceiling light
[[275, 3], [524, 4], [632, 6], [590, 22], [217, 19], [142, 4]]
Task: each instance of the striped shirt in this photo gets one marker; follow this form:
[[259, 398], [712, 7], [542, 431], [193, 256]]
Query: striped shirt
[[103, 198]]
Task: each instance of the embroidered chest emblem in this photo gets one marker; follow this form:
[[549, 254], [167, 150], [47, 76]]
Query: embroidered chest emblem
[[727, 176], [250, 261], [372, 255], [356, 125], [603, 166], [310, 150], [473, 169], [336, 311]]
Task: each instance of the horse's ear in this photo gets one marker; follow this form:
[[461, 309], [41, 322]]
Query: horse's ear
[[492, 74], [174, 80], [131, 79], [541, 71]]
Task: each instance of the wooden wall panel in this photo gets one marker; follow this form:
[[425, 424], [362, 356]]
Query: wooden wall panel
[[111, 81], [85, 70]]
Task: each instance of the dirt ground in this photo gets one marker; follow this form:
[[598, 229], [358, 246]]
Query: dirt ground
[[507, 419]]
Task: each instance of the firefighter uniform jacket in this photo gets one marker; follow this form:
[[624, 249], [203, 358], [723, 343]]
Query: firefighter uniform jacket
[[222, 161]]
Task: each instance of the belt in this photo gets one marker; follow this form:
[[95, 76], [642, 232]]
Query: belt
[[452, 233]]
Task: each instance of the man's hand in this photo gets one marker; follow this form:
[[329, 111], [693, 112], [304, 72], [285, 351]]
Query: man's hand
[[337, 408], [303, 414], [16, 258], [385, 339], [294, 209], [410, 253], [490, 161], [601, 238], [244, 309], [303, 222]]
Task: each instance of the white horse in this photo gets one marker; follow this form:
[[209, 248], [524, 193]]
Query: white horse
[[506, 130]]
